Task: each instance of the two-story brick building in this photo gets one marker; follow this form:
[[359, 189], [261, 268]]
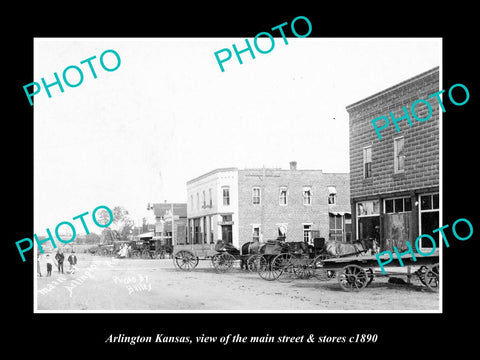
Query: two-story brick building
[[394, 181], [245, 205]]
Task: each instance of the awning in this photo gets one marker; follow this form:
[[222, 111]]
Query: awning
[[332, 190], [145, 235], [341, 213], [282, 228]]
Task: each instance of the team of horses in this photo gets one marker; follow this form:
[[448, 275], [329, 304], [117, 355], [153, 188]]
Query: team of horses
[[331, 248]]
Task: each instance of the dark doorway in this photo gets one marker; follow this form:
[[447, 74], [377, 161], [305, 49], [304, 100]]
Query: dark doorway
[[430, 222], [227, 233], [429, 219], [368, 227]]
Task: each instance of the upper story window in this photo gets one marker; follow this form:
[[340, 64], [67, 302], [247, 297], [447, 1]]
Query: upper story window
[[332, 195], [307, 195], [398, 205], [210, 197], [367, 162], [283, 196], [399, 155], [256, 196], [226, 195], [198, 201], [204, 200]]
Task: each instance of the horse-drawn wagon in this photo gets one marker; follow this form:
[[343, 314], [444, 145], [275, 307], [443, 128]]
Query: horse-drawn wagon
[[350, 263], [222, 256], [356, 273], [286, 261]]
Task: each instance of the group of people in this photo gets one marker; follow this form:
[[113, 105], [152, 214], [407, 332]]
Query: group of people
[[124, 249], [59, 260]]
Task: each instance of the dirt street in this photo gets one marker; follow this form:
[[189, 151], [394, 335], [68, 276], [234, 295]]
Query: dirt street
[[108, 284]]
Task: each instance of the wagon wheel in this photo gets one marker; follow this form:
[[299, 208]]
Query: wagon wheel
[[371, 276], [253, 262], [432, 278], [421, 274], [318, 271], [223, 262], [302, 269], [283, 264], [185, 260], [353, 278], [264, 268], [214, 260], [136, 253], [145, 254]]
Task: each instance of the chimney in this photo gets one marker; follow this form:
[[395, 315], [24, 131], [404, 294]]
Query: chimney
[[293, 165]]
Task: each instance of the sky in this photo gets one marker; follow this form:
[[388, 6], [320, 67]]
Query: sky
[[168, 114]]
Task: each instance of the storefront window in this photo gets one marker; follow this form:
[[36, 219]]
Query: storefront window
[[368, 219]]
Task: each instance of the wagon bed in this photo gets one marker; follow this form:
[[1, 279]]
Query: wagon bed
[[371, 260], [357, 272]]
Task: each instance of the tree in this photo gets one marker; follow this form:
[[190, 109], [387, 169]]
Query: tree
[[92, 238], [120, 227]]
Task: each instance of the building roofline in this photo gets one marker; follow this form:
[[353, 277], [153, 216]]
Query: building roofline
[[211, 173], [261, 169], [394, 87], [278, 169]]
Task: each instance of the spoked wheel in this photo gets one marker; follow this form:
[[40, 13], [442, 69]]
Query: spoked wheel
[[214, 260], [421, 274], [185, 260], [265, 268], [283, 264], [302, 270], [432, 277], [371, 276], [302, 267], [318, 270], [223, 262], [353, 278], [159, 254], [253, 262]]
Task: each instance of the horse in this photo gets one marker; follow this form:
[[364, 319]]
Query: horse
[[253, 247], [337, 248], [222, 245], [279, 245]]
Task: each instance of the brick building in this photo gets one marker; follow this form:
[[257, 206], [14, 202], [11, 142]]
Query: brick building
[[394, 181], [245, 205]]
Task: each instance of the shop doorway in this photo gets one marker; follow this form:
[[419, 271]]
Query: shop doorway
[[227, 233], [429, 219]]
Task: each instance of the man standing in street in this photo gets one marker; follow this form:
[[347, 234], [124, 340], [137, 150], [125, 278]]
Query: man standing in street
[[72, 259], [60, 257]]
